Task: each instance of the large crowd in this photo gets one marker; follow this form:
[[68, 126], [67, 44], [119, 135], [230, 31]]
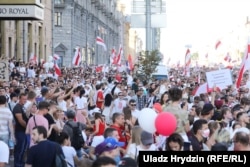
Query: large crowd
[[91, 118]]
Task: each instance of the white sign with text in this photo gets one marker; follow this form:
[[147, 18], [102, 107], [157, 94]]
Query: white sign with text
[[220, 78]]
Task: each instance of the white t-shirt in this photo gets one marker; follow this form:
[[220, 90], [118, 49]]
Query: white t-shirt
[[119, 105], [81, 103], [135, 113], [4, 152], [69, 153]]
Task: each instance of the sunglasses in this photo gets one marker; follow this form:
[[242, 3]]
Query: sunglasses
[[133, 104]]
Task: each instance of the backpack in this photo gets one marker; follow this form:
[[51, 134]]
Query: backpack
[[60, 159], [77, 141]]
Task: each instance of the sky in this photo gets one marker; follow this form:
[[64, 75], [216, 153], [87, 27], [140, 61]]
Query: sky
[[200, 24]]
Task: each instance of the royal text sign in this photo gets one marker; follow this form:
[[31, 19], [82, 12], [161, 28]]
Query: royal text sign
[[21, 11]]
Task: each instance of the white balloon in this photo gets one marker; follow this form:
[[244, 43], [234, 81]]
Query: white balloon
[[50, 58], [51, 64], [46, 65], [146, 120]]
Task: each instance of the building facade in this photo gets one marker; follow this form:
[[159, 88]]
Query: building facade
[[77, 24], [19, 39]]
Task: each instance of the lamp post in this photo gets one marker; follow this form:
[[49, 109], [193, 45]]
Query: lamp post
[[86, 19]]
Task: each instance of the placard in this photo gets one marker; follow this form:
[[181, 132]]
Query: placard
[[219, 78], [4, 70]]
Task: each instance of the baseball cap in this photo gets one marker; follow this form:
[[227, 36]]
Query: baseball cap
[[108, 145], [114, 142], [127, 162], [147, 138]]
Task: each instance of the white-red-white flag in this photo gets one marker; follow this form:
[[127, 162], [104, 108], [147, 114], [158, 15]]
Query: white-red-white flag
[[187, 62], [57, 70], [119, 56], [56, 57], [100, 41], [77, 57], [227, 58], [33, 59], [218, 43], [245, 65], [113, 56], [130, 63]]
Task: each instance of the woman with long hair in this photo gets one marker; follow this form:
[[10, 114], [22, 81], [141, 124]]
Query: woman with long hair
[[81, 106], [100, 125], [134, 141], [107, 104]]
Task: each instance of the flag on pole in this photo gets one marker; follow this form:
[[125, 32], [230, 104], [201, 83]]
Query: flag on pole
[[130, 63], [112, 57], [57, 70], [218, 43], [77, 57], [56, 57], [33, 59], [245, 65], [119, 56], [187, 63], [227, 58], [100, 41]]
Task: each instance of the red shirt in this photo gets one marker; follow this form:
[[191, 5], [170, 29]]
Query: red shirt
[[101, 128], [99, 104], [122, 135]]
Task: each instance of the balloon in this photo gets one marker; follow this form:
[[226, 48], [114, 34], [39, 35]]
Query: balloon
[[51, 64], [165, 123], [46, 65], [157, 107], [50, 59], [146, 119]]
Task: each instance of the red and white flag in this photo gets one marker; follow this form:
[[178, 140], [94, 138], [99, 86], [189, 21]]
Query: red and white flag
[[99, 69], [187, 63], [119, 56], [113, 56], [33, 59], [56, 57], [130, 63], [57, 70], [245, 65], [218, 43], [100, 41], [227, 58], [77, 57]]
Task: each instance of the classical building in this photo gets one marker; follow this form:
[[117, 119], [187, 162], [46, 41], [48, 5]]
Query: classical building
[[78, 23], [19, 39]]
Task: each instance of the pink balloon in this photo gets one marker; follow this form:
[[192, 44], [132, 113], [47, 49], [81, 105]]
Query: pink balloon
[[165, 123], [157, 107]]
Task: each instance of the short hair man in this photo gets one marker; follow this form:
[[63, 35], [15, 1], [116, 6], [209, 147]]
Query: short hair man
[[104, 162], [39, 155]]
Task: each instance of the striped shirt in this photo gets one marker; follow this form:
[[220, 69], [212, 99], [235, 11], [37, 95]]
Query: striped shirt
[[5, 117]]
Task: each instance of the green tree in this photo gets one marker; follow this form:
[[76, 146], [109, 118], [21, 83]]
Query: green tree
[[148, 61]]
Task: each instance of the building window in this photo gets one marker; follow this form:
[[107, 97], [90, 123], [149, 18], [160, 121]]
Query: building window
[[59, 1], [58, 19]]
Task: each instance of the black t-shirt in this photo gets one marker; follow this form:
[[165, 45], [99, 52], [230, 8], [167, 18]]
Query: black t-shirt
[[51, 121], [43, 154], [19, 109], [196, 144]]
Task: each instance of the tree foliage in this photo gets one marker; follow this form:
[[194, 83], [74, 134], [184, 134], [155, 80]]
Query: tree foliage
[[195, 56], [148, 61]]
